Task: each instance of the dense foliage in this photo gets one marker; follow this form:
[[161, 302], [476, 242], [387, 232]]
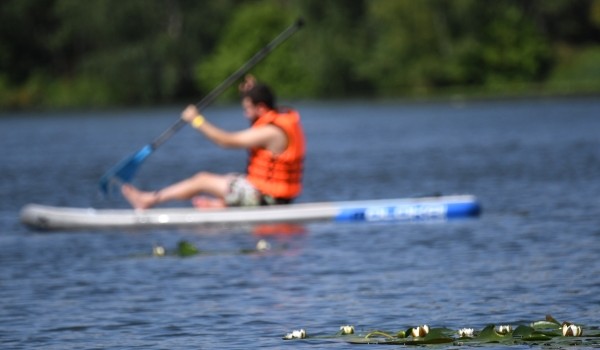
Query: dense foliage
[[111, 52]]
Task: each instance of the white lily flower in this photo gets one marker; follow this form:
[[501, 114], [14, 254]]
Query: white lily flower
[[297, 334], [465, 332], [348, 329], [571, 330], [504, 329], [420, 331], [158, 251], [263, 245]]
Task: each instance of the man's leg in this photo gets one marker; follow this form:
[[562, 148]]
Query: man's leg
[[203, 182]]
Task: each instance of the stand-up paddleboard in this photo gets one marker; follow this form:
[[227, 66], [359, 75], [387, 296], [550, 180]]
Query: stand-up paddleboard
[[404, 209]]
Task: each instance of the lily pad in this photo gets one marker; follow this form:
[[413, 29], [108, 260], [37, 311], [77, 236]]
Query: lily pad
[[489, 335], [185, 248]]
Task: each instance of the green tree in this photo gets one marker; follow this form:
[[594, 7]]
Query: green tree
[[318, 62], [510, 48], [111, 52], [24, 52], [138, 51], [334, 46], [250, 27], [101, 52], [424, 45], [404, 47]]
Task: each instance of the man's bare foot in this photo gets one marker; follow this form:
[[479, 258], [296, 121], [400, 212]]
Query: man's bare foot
[[139, 199], [202, 202]]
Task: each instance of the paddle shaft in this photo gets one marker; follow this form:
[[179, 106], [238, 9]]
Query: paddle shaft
[[208, 99]]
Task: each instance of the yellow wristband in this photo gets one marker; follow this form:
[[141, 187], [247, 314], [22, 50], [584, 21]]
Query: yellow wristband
[[196, 122]]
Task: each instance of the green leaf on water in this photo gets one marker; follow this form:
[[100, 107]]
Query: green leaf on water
[[526, 333], [185, 248], [551, 319], [489, 335], [378, 334], [435, 336]]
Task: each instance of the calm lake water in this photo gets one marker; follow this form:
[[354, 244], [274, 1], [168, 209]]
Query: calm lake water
[[534, 165]]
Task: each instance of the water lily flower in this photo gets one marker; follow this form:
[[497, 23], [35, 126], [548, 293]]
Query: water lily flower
[[297, 334], [504, 329], [420, 331], [348, 329], [263, 245], [571, 330], [465, 332], [158, 251]]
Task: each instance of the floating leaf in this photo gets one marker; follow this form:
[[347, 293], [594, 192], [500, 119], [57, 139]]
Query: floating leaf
[[489, 335], [435, 336], [376, 334], [551, 319], [545, 325], [185, 248], [526, 333]]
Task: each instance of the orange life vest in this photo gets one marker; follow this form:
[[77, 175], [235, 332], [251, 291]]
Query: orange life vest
[[279, 176]]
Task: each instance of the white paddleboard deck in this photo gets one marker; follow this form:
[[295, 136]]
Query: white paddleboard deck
[[44, 217]]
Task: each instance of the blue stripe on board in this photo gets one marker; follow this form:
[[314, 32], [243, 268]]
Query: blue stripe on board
[[409, 212], [461, 210]]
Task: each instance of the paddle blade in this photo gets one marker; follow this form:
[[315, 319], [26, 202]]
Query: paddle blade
[[124, 171]]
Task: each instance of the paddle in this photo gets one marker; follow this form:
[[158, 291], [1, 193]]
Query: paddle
[[124, 171]]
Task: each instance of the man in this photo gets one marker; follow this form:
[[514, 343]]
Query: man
[[275, 142]]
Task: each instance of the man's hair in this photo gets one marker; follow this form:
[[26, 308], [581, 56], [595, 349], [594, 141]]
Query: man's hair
[[260, 93]]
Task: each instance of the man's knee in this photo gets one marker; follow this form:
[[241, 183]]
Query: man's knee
[[202, 176]]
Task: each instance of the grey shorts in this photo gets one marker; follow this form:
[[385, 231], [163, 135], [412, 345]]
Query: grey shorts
[[242, 193]]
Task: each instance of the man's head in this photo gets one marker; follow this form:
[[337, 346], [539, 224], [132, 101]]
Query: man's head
[[256, 100]]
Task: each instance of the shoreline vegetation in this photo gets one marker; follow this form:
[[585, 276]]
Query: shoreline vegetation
[[55, 55]]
